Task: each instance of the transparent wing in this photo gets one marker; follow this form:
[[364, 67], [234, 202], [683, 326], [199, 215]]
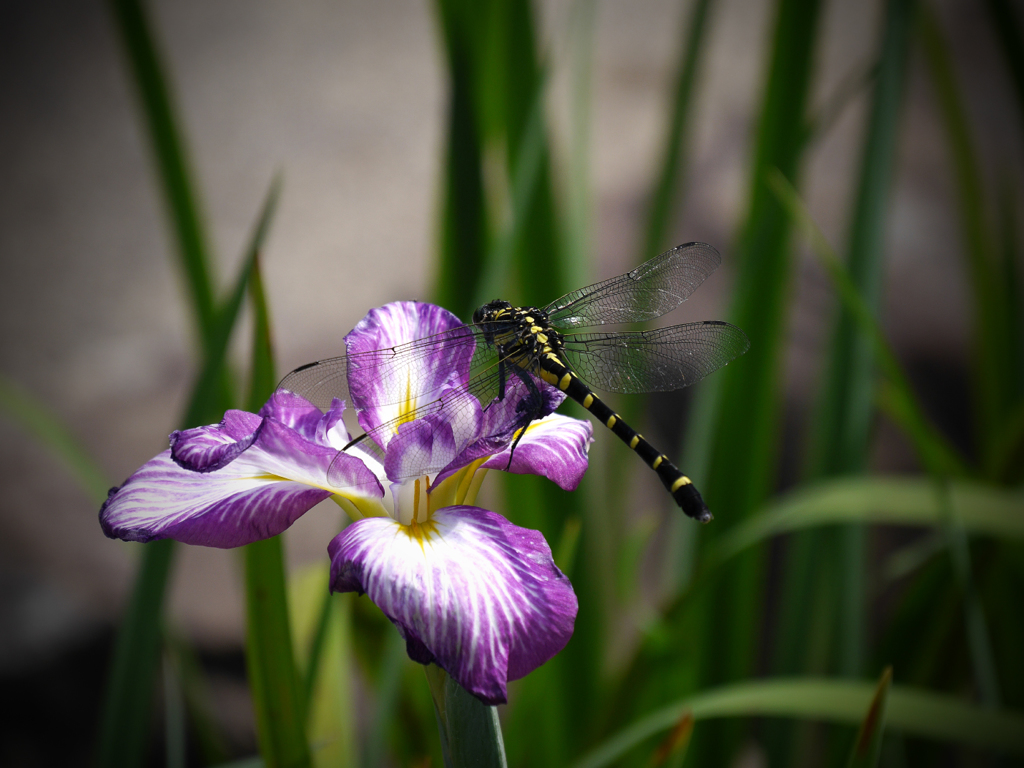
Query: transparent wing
[[492, 405], [653, 361], [652, 289], [322, 381]]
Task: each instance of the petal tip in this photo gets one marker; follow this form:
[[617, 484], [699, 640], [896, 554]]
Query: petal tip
[[141, 535]]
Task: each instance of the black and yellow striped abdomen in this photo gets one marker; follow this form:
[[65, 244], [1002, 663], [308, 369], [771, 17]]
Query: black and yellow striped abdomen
[[554, 372]]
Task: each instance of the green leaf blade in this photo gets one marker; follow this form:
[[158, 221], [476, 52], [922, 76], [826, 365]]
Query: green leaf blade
[[270, 661], [464, 225], [125, 723], [168, 147], [992, 344], [278, 695], [846, 408], [732, 457], [907, 501], [124, 727], [39, 422], [913, 711]]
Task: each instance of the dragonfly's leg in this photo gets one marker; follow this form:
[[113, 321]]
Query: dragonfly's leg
[[529, 408], [512, 451]]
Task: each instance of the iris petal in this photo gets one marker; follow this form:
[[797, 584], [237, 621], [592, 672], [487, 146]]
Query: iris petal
[[218, 509], [554, 447], [279, 476], [304, 418], [501, 419], [207, 449], [419, 444], [476, 594], [381, 393]]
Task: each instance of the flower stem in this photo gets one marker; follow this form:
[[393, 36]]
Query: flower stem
[[470, 732]]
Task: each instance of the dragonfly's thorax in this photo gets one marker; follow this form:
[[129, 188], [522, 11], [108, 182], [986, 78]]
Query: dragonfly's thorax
[[521, 334]]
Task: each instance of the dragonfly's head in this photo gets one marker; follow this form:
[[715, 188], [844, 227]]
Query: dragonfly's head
[[491, 312]]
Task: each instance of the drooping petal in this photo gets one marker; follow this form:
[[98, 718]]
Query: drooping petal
[[382, 390], [478, 595], [554, 447], [217, 509], [258, 494], [207, 449]]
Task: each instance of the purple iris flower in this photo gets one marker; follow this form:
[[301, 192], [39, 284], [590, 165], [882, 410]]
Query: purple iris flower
[[468, 590]]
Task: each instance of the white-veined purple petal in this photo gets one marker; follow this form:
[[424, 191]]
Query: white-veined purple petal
[[479, 596], [207, 449], [260, 493], [216, 509], [554, 447], [380, 393], [331, 429], [301, 416], [501, 419], [419, 444]]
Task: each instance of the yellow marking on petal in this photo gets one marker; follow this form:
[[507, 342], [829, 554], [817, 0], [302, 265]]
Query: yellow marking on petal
[[358, 507], [412, 501], [657, 462], [535, 424], [420, 532], [463, 486], [407, 408], [635, 441], [588, 401], [684, 480], [271, 478], [467, 480], [611, 421], [565, 382]]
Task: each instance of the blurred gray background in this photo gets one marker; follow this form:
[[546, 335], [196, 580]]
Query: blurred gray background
[[347, 100]]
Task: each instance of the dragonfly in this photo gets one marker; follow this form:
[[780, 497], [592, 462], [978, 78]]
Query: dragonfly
[[520, 356]]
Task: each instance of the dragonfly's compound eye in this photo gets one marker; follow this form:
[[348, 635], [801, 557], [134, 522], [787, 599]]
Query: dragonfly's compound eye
[[478, 315]]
